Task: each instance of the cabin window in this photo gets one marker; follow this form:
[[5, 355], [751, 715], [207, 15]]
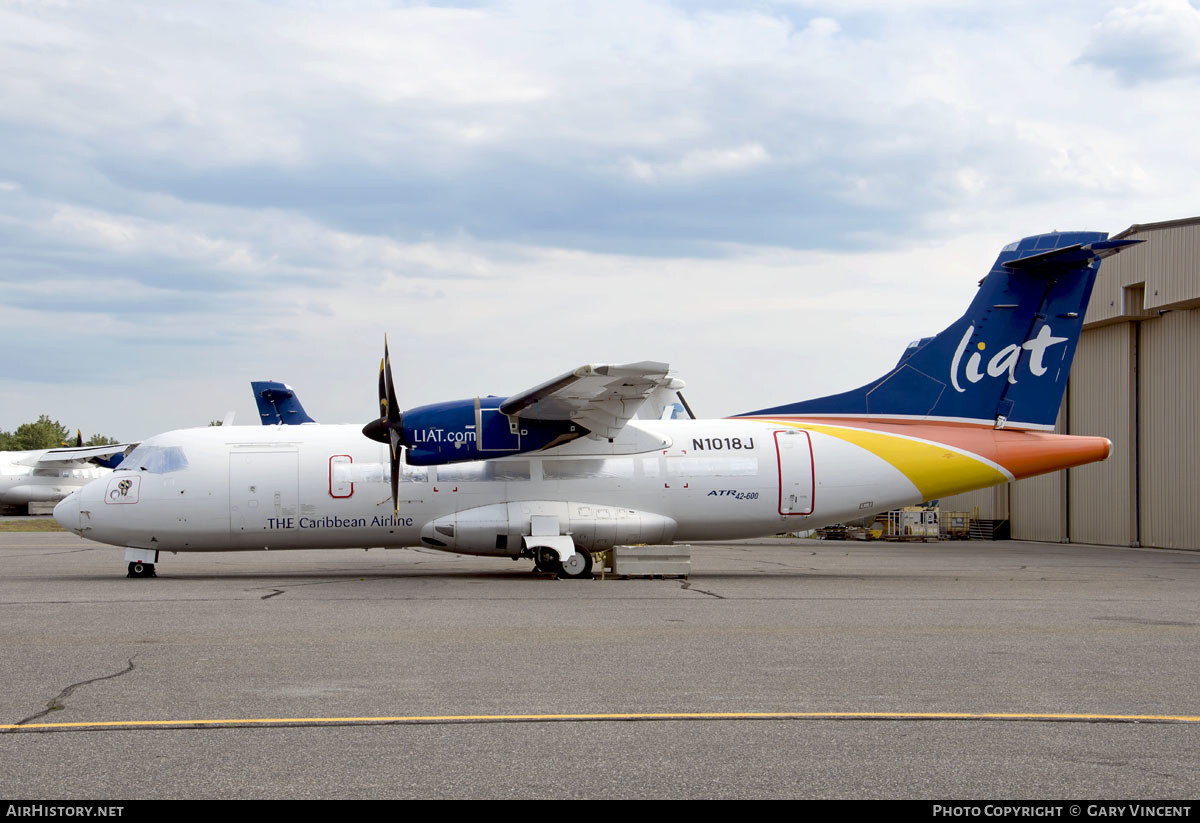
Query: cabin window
[[479, 471], [509, 470], [414, 474], [376, 473], [618, 468], [711, 466]]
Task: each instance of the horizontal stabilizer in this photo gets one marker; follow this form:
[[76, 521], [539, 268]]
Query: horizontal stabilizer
[[1071, 257]]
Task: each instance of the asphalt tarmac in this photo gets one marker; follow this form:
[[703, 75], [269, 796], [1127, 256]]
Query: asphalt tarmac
[[795, 669]]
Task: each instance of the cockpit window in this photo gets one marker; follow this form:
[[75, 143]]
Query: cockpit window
[[155, 459]]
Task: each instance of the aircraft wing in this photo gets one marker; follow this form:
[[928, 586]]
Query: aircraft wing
[[74, 455], [602, 399]]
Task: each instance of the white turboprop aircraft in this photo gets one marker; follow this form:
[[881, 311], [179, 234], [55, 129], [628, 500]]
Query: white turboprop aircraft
[[564, 469], [49, 475]]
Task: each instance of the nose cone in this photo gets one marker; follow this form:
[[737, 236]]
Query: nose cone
[[67, 512]]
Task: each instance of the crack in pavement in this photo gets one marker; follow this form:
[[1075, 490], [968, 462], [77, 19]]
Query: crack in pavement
[[55, 703], [276, 591], [687, 586], [780, 564], [51, 554]]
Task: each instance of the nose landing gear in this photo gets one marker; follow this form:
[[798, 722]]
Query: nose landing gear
[[137, 569], [141, 562]]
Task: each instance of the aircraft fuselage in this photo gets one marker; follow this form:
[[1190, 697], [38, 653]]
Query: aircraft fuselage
[[326, 486]]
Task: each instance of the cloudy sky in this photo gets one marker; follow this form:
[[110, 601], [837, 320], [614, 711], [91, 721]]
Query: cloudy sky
[[774, 197]]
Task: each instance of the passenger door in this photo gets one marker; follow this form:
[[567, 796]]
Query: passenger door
[[796, 478]]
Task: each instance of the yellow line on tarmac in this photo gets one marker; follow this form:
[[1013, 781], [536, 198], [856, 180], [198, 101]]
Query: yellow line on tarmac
[[535, 718]]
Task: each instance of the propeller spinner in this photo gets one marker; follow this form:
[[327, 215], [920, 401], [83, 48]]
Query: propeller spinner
[[389, 428]]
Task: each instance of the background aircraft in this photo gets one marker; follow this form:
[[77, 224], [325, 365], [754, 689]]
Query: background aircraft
[[49, 475], [593, 458]]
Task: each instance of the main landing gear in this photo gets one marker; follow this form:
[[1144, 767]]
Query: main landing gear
[[577, 567], [544, 560]]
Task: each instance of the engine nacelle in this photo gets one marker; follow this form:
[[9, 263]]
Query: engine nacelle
[[475, 429], [506, 528]]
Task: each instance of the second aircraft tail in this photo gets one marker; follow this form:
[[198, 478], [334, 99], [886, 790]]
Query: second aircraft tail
[[278, 403]]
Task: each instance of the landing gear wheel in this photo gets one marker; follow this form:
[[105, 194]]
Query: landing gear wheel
[[141, 570], [578, 567]]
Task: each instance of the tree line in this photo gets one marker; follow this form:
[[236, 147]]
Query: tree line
[[45, 434]]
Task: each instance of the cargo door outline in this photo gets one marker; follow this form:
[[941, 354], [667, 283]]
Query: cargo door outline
[[263, 487], [797, 473], [495, 432]]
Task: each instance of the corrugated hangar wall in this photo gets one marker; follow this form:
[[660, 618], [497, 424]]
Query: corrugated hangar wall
[[1169, 459], [1136, 381], [1100, 400]]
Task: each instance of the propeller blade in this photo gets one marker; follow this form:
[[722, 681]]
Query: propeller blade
[[391, 413], [395, 476], [382, 390], [390, 419], [389, 427]]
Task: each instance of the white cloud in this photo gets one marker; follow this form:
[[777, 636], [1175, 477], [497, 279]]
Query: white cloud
[[1148, 40], [700, 163], [773, 198]]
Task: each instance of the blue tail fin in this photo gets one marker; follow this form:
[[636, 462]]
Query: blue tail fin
[[1005, 362], [277, 403]]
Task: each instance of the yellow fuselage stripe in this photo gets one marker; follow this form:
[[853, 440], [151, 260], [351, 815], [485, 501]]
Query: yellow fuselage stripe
[[936, 470]]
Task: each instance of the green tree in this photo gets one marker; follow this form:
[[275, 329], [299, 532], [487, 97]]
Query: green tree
[[44, 434]]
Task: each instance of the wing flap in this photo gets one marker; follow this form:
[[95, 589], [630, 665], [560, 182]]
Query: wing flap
[[601, 398]]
